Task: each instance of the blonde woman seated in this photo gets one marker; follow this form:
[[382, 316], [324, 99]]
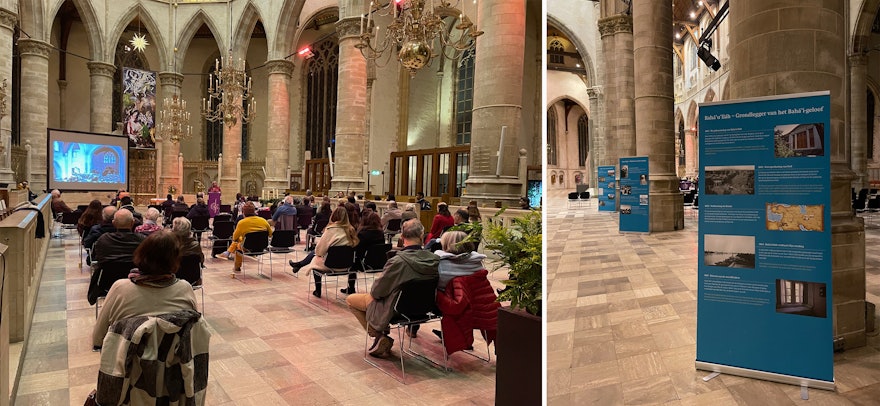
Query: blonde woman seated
[[338, 232], [457, 258], [182, 229], [151, 289]]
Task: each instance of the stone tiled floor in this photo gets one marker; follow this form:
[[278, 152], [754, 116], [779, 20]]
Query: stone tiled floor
[[621, 321], [269, 346]]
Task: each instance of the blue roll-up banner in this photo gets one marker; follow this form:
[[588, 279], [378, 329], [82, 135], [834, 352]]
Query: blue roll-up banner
[[634, 195], [607, 189], [764, 299]]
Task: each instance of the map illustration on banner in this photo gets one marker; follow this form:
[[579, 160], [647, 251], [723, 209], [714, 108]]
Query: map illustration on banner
[[634, 195], [607, 188], [764, 280]]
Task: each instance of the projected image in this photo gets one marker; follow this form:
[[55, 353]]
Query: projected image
[[801, 298], [82, 162], [534, 193]]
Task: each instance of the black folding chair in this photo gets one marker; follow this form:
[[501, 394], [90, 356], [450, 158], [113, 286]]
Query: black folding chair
[[190, 270], [415, 304], [255, 244], [374, 261], [103, 279], [200, 225], [303, 222], [338, 257], [573, 199], [69, 220], [221, 235], [226, 208], [392, 229], [585, 198], [282, 243], [317, 231]]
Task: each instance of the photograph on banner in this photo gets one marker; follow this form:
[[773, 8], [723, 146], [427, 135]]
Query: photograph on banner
[[764, 243], [634, 195], [139, 107], [607, 188]]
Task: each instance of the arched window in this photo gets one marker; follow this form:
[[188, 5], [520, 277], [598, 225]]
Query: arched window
[[556, 52], [126, 57], [680, 138], [322, 70], [464, 98], [583, 143], [551, 136]]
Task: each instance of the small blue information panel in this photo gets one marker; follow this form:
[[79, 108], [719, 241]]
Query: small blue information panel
[[634, 195], [764, 298], [607, 189]]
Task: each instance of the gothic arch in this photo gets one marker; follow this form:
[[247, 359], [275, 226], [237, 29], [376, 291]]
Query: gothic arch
[[189, 31], [299, 32], [90, 23], [861, 36], [152, 28], [691, 116], [582, 49], [710, 95], [249, 17], [288, 29], [580, 104], [30, 15]]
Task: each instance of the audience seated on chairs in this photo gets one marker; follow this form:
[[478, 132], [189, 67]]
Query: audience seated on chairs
[[97, 230], [286, 208], [392, 213], [150, 289], [370, 206], [198, 210], [369, 234], [126, 203], [375, 310], [338, 232], [250, 223], [130, 372], [182, 229], [354, 214], [58, 205], [180, 205], [442, 220], [119, 245], [151, 225], [467, 303], [457, 258], [91, 216], [319, 222], [303, 210], [168, 204]]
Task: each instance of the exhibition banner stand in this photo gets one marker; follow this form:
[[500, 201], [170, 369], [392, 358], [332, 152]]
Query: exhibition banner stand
[[764, 300], [607, 189], [634, 195]]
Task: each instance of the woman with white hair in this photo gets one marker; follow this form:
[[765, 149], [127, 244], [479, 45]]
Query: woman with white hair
[[182, 229], [457, 258], [151, 224]]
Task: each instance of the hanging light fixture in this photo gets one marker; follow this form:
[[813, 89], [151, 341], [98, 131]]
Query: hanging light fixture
[[139, 41], [175, 120], [232, 87], [415, 27]]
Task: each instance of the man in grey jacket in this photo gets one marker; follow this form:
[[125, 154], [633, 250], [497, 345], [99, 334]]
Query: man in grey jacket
[[375, 310]]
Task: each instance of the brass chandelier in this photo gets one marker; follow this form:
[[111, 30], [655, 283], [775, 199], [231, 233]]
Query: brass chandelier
[[233, 85], [415, 27], [175, 120]]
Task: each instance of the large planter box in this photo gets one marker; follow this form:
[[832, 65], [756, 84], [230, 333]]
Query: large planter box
[[518, 348]]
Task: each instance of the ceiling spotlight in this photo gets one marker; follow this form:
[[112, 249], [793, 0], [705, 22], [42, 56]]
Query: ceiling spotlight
[[678, 35], [704, 52], [693, 15], [577, 65], [700, 3]]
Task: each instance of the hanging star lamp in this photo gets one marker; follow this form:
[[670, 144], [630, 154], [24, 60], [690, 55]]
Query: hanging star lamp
[[139, 41]]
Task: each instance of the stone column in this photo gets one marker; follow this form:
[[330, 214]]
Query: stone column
[[101, 75], [230, 181], [617, 46], [7, 24], [278, 143], [655, 119], [597, 140], [168, 172], [35, 104], [817, 52], [497, 102], [351, 108], [858, 123]]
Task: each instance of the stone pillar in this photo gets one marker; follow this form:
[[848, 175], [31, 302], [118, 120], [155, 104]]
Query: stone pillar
[[817, 51], [597, 140], [230, 182], [278, 143], [168, 172], [858, 123], [351, 109], [617, 46], [7, 24], [101, 76], [35, 104], [62, 106], [690, 153], [655, 119], [497, 102]]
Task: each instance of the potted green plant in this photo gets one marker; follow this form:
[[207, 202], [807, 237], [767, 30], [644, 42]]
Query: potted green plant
[[516, 246]]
